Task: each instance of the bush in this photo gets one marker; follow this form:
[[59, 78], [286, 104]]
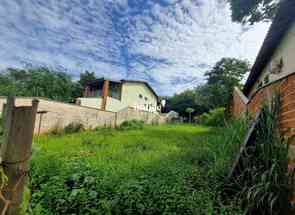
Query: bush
[[132, 125], [74, 127], [215, 117]]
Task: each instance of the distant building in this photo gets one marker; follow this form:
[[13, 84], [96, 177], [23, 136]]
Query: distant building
[[112, 95]]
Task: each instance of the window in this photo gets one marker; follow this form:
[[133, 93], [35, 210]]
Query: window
[[115, 90], [140, 96]]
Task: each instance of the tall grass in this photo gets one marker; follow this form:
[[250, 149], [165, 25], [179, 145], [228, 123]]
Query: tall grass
[[263, 186]]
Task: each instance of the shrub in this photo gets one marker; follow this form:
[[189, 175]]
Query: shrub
[[132, 125], [215, 117], [74, 127]]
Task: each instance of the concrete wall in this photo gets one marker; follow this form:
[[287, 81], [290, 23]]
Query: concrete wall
[[286, 51], [90, 102], [115, 105], [61, 114], [148, 117]]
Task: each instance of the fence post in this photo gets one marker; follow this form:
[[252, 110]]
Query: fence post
[[15, 154]]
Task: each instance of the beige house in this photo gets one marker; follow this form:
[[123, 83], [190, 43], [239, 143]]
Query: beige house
[[111, 95]]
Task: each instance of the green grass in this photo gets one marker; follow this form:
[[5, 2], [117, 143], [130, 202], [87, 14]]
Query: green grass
[[169, 169]]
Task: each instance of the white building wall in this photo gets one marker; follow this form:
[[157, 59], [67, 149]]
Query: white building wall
[[131, 96], [285, 51], [134, 94]]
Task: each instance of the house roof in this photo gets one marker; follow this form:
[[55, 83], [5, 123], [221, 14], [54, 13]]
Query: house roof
[[283, 21], [100, 80]]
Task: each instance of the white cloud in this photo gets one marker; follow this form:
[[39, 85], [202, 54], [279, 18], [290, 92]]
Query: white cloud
[[169, 43]]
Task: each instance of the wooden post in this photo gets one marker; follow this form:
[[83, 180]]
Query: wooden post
[[40, 120], [105, 93], [15, 153]]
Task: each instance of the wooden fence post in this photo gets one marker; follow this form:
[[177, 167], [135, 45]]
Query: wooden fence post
[[19, 123]]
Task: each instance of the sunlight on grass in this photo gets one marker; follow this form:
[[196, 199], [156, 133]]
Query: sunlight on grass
[[173, 169]]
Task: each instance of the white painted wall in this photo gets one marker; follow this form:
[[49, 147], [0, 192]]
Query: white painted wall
[[131, 96], [286, 51], [90, 102]]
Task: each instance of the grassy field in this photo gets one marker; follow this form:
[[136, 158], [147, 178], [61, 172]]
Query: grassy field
[[169, 169]]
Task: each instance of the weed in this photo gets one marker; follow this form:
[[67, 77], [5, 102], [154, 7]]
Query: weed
[[263, 186], [74, 127], [215, 117], [155, 170], [131, 125]]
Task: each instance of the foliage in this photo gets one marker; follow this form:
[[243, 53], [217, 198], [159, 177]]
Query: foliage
[[263, 186], [73, 127], [86, 77], [249, 11], [189, 110], [179, 103], [168, 169], [132, 124], [43, 82], [221, 80], [36, 82], [216, 92], [215, 117]]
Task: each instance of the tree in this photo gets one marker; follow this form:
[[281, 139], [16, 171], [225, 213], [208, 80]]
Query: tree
[[187, 99], [40, 82], [190, 111], [252, 11], [86, 77], [221, 80]]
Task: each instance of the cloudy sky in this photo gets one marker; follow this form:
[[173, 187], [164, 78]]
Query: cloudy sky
[[169, 43]]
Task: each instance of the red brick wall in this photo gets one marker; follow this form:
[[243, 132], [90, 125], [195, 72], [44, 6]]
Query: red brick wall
[[286, 88]]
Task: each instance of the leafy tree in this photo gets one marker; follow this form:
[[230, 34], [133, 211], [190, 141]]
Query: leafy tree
[[190, 111], [216, 92], [86, 77], [221, 80], [40, 82], [187, 99], [252, 11], [77, 90]]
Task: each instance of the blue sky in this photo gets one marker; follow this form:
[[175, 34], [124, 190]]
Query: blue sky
[[169, 43]]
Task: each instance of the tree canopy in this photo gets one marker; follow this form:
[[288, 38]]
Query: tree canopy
[[216, 92], [41, 82], [252, 11]]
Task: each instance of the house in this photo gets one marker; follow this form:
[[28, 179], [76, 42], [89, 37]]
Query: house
[[274, 69], [115, 95]]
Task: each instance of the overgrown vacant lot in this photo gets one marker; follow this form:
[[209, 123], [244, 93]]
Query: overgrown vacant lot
[[171, 169]]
